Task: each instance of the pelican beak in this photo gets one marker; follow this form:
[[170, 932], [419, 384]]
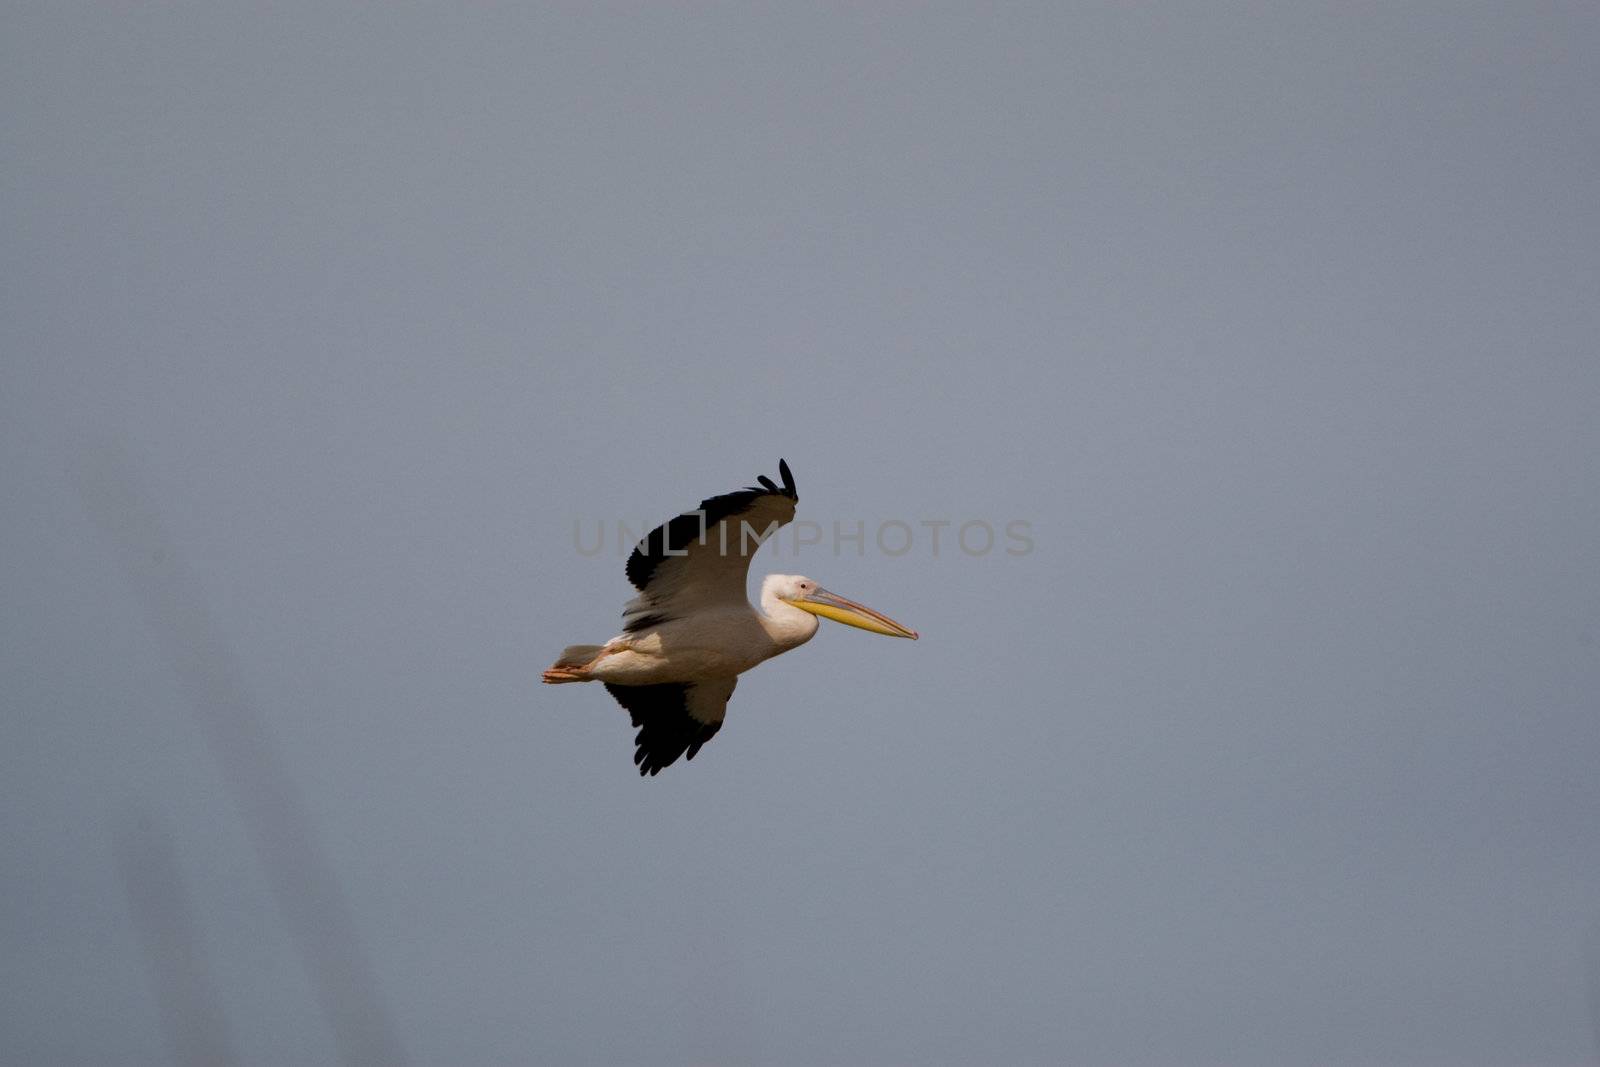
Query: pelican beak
[[837, 608]]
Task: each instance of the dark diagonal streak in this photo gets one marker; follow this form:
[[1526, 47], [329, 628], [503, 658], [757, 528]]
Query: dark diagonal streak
[[197, 1031], [301, 878]]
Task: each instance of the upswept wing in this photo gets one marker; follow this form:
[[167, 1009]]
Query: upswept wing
[[702, 557]]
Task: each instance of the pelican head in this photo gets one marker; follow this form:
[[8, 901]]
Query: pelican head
[[807, 595]]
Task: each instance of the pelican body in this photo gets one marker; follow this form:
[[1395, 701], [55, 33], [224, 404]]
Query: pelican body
[[691, 631]]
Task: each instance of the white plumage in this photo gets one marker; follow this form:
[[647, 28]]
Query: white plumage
[[691, 631]]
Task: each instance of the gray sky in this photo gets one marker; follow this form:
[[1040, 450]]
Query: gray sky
[[1276, 322]]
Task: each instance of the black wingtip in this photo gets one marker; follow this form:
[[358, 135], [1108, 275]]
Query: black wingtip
[[786, 489]]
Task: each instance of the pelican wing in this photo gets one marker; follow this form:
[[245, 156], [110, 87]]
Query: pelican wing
[[702, 557], [674, 719]]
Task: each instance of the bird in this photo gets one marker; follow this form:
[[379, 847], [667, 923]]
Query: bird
[[692, 631]]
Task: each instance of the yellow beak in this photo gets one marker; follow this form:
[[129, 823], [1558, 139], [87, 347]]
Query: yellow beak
[[837, 608]]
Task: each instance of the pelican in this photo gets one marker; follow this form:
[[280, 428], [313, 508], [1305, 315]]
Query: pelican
[[691, 631]]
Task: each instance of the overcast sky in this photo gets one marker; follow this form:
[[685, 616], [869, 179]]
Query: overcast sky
[[326, 327]]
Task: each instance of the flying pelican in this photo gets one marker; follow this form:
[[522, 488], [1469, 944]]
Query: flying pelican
[[691, 632]]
